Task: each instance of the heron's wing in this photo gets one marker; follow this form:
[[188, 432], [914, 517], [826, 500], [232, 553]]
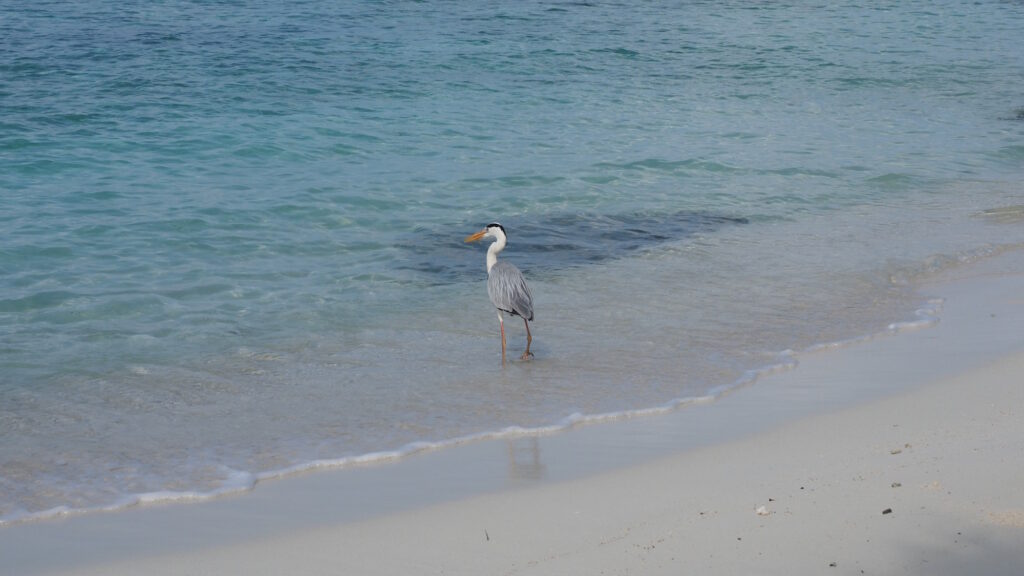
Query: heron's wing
[[508, 290]]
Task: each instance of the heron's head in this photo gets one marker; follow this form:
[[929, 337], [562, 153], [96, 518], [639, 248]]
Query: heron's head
[[493, 230]]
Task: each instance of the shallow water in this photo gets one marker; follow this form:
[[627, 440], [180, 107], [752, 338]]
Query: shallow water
[[231, 235]]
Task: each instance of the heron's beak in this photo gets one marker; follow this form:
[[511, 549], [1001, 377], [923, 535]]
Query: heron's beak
[[477, 236]]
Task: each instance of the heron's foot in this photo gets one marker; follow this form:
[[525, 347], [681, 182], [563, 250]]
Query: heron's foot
[[526, 356]]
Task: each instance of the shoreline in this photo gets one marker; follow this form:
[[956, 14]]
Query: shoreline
[[242, 482], [632, 494], [238, 482]]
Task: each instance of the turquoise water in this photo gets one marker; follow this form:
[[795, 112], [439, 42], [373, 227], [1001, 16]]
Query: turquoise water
[[231, 233]]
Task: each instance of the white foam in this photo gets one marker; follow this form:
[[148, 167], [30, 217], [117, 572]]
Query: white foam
[[236, 482], [924, 317]]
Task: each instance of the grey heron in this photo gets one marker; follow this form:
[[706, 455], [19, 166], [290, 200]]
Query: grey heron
[[506, 286]]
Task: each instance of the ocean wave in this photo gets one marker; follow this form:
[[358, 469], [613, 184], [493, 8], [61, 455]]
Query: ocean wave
[[238, 481]]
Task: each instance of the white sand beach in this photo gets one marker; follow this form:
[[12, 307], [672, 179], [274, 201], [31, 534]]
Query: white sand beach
[[834, 474]]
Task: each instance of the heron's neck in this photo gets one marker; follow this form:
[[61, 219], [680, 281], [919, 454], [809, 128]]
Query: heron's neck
[[492, 252]]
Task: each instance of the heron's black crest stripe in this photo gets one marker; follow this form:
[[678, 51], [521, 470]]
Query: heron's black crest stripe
[[496, 225]]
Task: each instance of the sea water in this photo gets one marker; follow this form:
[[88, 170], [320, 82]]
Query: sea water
[[231, 232]]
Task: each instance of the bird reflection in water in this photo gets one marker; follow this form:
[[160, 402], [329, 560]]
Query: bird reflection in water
[[524, 461]]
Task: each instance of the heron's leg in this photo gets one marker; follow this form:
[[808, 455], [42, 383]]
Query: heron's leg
[[501, 323], [527, 355]]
